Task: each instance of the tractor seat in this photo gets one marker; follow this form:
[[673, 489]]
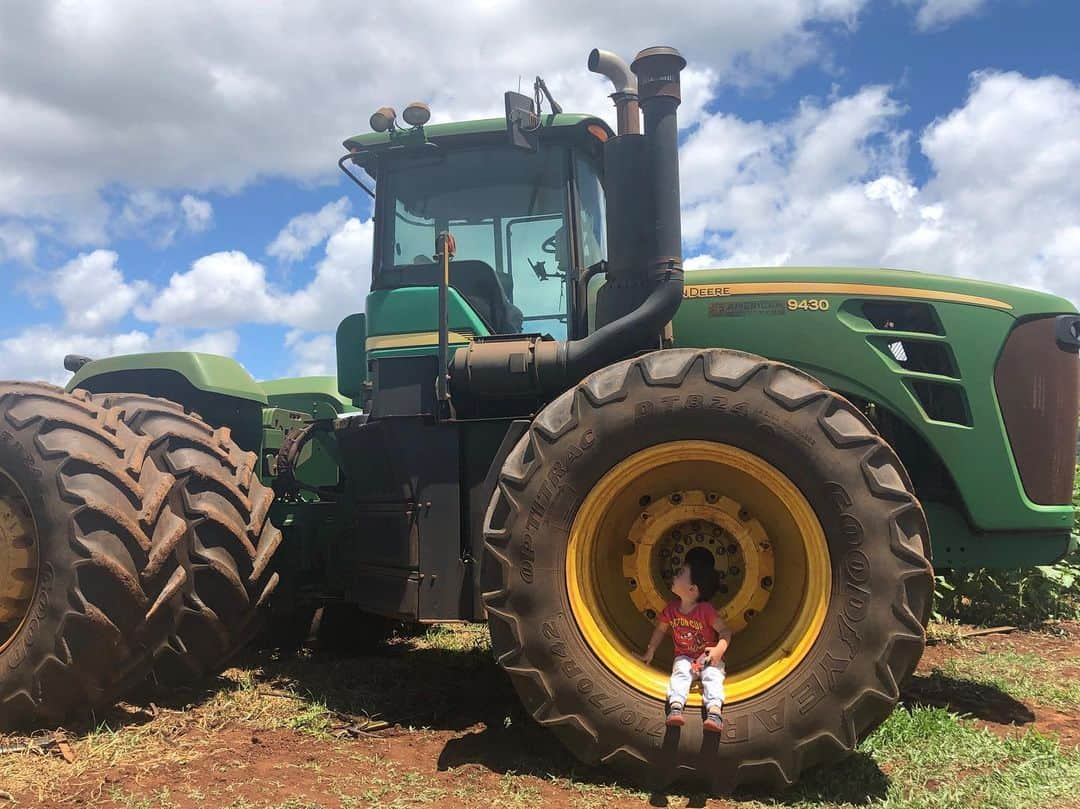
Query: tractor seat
[[476, 281]]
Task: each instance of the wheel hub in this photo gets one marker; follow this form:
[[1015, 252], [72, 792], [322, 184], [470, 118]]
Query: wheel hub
[[18, 560], [672, 525], [635, 528]]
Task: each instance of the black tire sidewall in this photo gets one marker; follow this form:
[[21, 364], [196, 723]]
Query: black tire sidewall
[[818, 696]]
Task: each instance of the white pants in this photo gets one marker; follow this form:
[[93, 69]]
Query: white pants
[[712, 683]]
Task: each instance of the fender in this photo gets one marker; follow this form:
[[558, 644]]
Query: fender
[[218, 388]]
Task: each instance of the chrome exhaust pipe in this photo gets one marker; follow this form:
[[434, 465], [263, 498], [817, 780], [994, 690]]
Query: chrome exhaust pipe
[[625, 83]]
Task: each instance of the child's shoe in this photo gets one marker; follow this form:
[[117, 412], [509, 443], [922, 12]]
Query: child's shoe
[[675, 718], [713, 722]]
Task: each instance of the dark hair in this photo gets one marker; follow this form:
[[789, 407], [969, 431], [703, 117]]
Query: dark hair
[[702, 572]]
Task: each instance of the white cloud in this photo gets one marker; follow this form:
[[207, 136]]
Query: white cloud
[[38, 352], [228, 288], [311, 355], [17, 243], [157, 218], [93, 292], [178, 95], [308, 230], [221, 289], [198, 213], [933, 14], [341, 283], [829, 186]]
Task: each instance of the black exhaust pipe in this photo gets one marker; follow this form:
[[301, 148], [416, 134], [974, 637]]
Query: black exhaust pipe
[[660, 94], [531, 367]]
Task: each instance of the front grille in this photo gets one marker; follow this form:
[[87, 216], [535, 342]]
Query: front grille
[[1038, 388]]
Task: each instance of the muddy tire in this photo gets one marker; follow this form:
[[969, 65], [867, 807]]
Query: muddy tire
[[874, 589], [227, 543], [84, 571]]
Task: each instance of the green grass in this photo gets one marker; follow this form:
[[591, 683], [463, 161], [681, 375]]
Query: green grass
[[920, 758], [1023, 676], [932, 759]]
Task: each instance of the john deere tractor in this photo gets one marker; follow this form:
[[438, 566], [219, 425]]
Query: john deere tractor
[[535, 420]]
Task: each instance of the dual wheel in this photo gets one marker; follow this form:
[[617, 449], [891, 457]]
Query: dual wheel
[[134, 542], [819, 545]]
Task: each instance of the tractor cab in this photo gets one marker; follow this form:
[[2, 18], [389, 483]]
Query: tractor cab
[[528, 223]]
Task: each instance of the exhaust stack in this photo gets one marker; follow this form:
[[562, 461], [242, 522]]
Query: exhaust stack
[[625, 82], [658, 72]]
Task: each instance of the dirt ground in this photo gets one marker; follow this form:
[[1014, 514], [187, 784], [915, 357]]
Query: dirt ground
[[285, 735]]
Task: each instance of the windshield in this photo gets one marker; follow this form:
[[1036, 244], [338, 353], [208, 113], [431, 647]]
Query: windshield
[[507, 212]]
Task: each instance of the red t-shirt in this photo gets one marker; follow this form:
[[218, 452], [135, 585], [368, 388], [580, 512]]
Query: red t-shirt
[[692, 632]]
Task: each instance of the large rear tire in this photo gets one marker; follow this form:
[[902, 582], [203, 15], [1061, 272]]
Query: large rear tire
[[85, 572], [803, 506], [228, 542]]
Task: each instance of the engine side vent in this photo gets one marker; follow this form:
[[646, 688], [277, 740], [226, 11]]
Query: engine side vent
[[942, 401], [912, 316], [921, 356]]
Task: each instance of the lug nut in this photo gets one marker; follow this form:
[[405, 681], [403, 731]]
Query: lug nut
[[733, 570], [749, 614], [766, 582], [732, 549], [711, 497], [676, 498]]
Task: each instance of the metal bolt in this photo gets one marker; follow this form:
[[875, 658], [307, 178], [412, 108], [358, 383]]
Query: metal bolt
[[744, 515], [732, 549], [766, 582], [664, 553], [712, 540], [733, 570], [764, 546], [749, 614], [721, 574], [678, 548], [650, 614], [632, 583], [676, 498], [711, 497]]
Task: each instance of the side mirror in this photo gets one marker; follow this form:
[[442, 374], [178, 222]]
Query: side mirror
[[522, 122]]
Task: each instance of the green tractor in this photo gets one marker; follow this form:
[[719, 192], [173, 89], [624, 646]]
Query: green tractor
[[536, 419]]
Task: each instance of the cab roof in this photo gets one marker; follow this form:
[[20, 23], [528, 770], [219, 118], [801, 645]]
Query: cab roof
[[374, 141]]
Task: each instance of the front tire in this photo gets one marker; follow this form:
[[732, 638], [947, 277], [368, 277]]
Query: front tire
[[808, 509]]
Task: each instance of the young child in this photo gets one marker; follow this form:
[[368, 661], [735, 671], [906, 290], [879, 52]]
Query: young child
[[700, 636]]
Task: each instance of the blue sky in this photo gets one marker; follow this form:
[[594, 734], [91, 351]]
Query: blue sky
[[168, 181]]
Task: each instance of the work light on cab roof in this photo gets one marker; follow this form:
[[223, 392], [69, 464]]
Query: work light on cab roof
[[384, 119]]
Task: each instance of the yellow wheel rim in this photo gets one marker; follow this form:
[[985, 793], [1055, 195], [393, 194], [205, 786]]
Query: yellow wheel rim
[[19, 564], [645, 514]]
